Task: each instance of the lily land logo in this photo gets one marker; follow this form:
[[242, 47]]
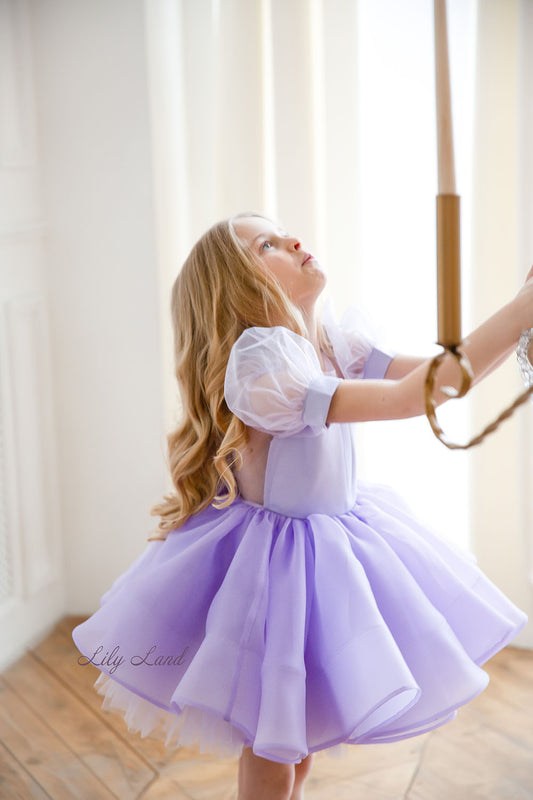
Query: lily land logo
[[113, 659]]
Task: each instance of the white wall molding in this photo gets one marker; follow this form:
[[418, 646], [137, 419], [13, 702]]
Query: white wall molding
[[17, 110], [10, 571], [25, 326], [24, 231], [30, 533], [31, 567]]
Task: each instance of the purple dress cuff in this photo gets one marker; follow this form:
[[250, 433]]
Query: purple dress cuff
[[377, 364], [318, 399]]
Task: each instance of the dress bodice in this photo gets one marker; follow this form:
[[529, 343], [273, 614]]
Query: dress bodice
[[275, 384], [312, 474]]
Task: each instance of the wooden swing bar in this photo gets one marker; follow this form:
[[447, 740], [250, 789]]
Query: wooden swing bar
[[449, 250]]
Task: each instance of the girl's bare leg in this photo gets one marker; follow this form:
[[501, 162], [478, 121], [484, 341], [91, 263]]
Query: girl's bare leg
[[262, 779], [301, 771]]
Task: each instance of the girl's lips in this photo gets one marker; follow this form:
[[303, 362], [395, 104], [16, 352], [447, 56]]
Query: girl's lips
[[307, 258]]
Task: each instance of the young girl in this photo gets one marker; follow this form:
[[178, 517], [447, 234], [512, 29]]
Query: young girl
[[284, 607]]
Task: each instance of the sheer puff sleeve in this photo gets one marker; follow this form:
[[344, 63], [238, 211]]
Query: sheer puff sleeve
[[354, 343], [274, 383]]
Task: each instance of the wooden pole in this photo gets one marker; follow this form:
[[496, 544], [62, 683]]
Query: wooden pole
[[444, 105], [448, 203]]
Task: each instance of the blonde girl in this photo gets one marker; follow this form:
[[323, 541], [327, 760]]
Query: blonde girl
[[283, 606]]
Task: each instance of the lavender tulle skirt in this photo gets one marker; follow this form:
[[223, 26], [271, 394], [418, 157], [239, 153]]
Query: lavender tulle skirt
[[292, 635]]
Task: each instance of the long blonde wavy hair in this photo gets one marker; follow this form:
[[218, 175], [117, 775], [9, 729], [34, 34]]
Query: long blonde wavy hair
[[221, 289]]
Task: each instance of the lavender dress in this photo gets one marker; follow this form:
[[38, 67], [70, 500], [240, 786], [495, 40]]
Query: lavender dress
[[327, 616]]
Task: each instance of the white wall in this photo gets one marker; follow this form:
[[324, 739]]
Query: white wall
[[91, 86], [32, 584], [500, 468], [525, 237]]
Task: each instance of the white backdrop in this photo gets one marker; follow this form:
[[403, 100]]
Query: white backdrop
[[153, 118]]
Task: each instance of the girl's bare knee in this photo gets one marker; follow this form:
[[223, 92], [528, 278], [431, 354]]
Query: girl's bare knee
[[302, 770]]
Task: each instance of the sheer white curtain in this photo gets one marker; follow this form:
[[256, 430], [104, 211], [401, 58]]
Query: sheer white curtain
[[242, 119], [322, 114], [396, 265]]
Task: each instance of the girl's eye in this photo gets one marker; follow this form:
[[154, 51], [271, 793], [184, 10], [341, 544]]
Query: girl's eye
[[265, 245]]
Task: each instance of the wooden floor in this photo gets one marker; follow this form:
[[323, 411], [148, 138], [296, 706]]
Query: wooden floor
[[55, 742]]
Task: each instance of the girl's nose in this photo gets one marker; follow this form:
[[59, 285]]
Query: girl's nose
[[296, 244]]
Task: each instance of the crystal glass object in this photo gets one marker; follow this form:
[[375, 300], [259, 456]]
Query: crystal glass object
[[524, 364]]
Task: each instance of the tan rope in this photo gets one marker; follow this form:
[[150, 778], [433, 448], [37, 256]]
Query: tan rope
[[466, 371]]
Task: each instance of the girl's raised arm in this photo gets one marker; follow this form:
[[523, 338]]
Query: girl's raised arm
[[364, 401]]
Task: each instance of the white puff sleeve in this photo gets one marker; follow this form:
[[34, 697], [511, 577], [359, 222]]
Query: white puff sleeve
[[354, 343], [274, 383]]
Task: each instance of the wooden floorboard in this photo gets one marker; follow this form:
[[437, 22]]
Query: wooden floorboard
[[56, 744], [15, 782]]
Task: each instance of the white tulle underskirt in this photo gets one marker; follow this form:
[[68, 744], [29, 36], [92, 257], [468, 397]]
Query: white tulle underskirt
[[193, 727]]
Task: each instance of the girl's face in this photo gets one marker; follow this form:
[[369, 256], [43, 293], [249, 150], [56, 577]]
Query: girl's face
[[282, 255]]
